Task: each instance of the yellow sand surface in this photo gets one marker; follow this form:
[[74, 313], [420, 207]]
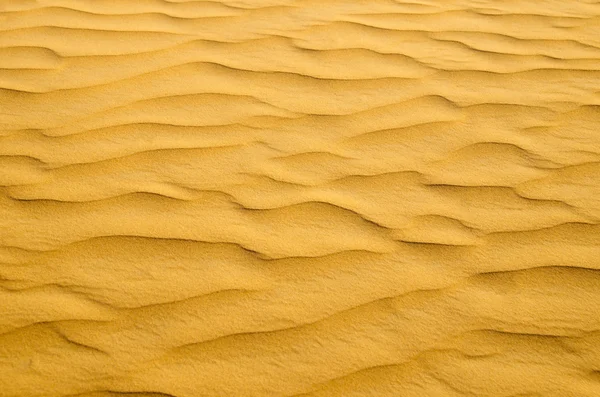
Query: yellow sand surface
[[278, 198]]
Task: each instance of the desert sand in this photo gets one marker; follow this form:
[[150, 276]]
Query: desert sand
[[256, 198]]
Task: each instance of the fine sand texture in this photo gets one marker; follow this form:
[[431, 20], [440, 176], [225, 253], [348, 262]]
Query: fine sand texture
[[294, 198]]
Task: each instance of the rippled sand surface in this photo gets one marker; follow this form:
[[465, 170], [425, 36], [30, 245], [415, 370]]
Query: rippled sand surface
[[286, 198]]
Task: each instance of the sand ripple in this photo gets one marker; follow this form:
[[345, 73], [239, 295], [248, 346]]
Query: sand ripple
[[299, 198]]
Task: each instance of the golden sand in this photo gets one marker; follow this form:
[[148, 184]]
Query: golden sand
[[257, 198]]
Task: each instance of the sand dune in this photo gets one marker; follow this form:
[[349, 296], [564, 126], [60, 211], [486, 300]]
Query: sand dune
[[299, 198]]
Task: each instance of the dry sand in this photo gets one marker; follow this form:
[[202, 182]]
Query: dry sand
[[299, 198]]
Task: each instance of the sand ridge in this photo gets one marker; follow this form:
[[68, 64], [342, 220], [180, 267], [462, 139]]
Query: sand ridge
[[299, 198]]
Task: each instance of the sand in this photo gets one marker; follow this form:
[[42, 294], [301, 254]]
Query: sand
[[286, 198]]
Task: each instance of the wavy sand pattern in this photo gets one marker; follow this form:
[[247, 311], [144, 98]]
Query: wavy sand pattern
[[299, 198]]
